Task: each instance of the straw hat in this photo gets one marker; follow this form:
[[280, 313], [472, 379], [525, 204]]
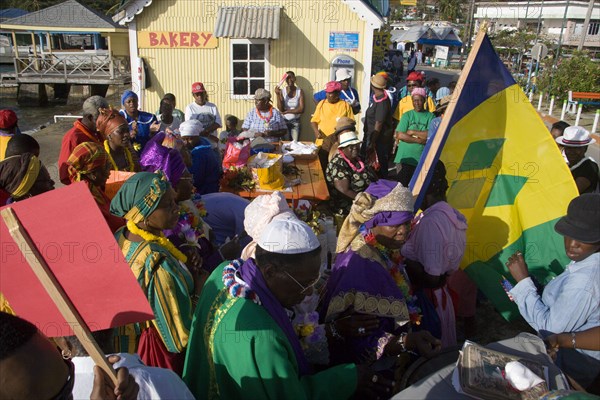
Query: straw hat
[[378, 81], [348, 139]]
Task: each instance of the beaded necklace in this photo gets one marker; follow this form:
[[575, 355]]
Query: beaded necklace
[[394, 259], [267, 119], [235, 285], [161, 240], [360, 163], [112, 161]]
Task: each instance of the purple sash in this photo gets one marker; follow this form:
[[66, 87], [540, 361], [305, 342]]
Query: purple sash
[[253, 277]]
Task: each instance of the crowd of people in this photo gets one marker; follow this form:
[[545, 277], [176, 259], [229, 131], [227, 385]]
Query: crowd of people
[[243, 305]]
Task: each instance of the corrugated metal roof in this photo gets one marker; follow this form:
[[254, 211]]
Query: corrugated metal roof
[[70, 14], [248, 22]]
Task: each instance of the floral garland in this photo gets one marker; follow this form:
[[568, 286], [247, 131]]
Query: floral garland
[[308, 329], [197, 200], [112, 161], [161, 240], [267, 119], [190, 226], [394, 260], [237, 287]]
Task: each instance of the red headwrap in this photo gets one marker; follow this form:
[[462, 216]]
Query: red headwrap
[[109, 120], [8, 119], [414, 76]]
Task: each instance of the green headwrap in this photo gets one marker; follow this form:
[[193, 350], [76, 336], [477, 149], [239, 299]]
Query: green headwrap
[[139, 196]]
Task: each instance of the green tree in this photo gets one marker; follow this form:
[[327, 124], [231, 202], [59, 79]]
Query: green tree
[[450, 10], [577, 73]]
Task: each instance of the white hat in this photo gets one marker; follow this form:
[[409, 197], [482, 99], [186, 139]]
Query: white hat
[[190, 128], [348, 139], [288, 236], [575, 136], [342, 75]]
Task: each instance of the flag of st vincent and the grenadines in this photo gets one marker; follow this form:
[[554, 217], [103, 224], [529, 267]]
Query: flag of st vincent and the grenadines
[[506, 175]]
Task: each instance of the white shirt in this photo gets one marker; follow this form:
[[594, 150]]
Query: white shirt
[[154, 383], [193, 109]]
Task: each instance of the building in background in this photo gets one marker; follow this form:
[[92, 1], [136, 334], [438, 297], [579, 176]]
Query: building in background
[[237, 46], [544, 17]]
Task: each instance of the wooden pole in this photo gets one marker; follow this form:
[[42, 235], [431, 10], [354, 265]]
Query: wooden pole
[[56, 292], [437, 138], [35, 54]]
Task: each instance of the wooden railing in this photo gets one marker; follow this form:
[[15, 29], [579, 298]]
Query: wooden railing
[[90, 66]]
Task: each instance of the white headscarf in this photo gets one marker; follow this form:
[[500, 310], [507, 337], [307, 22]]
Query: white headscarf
[[260, 213]]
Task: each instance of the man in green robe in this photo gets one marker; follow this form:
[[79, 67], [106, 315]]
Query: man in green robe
[[242, 344]]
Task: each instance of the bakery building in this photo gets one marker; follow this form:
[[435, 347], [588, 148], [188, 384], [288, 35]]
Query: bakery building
[[236, 47]]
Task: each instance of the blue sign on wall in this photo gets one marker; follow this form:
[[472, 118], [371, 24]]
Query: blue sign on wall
[[343, 41]]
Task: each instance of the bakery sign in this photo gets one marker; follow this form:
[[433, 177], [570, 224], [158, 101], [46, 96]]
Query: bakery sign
[[176, 40]]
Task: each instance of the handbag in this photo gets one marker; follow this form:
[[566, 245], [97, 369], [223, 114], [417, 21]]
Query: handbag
[[373, 160], [236, 153]]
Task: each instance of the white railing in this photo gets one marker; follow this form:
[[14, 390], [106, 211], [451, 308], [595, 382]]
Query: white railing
[[80, 65], [57, 117]]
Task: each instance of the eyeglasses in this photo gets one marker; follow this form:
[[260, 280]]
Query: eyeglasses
[[304, 288], [66, 392]]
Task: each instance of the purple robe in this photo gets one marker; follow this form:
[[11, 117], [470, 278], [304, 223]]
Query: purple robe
[[354, 276]]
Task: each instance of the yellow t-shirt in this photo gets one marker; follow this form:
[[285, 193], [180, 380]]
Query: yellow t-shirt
[[406, 104], [326, 116], [3, 143]]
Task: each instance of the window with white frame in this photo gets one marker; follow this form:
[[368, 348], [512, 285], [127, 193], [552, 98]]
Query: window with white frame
[[249, 66]]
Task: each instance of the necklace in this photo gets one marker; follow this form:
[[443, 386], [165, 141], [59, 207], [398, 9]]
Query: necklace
[[394, 260], [385, 96], [266, 119], [112, 161], [161, 240], [235, 285], [360, 163], [351, 98]]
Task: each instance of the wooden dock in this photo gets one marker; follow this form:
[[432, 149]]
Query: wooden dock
[[76, 68]]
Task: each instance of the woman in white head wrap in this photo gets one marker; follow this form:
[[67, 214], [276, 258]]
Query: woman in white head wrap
[[260, 213]]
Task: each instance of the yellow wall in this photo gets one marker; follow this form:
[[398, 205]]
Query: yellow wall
[[119, 44], [303, 47]]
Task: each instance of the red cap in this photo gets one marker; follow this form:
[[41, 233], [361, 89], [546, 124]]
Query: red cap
[[198, 87], [333, 86], [414, 76], [8, 119]]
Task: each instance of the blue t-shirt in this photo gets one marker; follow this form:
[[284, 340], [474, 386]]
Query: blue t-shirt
[[225, 215], [143, 126]]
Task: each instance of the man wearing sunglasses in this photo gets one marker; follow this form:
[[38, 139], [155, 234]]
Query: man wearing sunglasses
[[242, 342], [413, 80], [31, 367]]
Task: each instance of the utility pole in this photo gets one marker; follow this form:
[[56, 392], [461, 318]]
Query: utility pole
[[586, 25], [526, 12], [539, 24], [471, 23]]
